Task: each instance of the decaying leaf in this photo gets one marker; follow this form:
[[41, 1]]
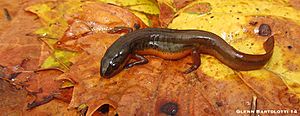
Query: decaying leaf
[[145, 6], [162, 85], [242, 35], [141, 8], [22, 54], [60, 59], [166, 14], [75, 38], [14, 102], [96, 18], [53, 16], [12, 99], [42, 84]]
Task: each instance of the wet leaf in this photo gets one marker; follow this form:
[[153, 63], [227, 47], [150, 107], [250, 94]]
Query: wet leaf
[[53, 16], [231, 14], [60, 59], [214, 86], [14, 102], [242, 35], [54, 107], [94, 23], [22, 54], [67, 84], [145, 6], [141, 8], [167, 14], [143, 17], [43, 86], [159, 87], [181, 3]]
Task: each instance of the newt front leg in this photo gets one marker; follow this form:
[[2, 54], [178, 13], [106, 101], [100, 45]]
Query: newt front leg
[[139, 60]]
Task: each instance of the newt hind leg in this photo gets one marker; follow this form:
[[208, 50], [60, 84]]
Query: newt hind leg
[[196, 61]]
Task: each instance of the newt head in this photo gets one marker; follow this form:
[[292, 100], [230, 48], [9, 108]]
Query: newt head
[[113, 61]]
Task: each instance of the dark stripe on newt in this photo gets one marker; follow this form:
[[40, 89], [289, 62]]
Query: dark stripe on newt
[[176, 42]]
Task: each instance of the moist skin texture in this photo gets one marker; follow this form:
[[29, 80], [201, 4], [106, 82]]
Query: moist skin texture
[[174, 44]]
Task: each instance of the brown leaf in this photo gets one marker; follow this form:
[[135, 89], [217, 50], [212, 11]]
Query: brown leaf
[[13, 101], [95, 18], [149, 88], [166, 14], [64, 94], [22, 54], [182, 3], [156, 88], [43, 86], [295, 3], [54, 107], [8, 12], [198, 8], [270, 87]]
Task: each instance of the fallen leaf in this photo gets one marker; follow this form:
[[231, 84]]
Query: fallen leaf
[[8, 12], [53, 16], [54, 107], [90, 22], [145, 6], [60, 59], [154, 86], [242, 35], [14, 102], [182, 3], [43, 86], [12, 99], [166, 15], [159, 87], [22, 54]]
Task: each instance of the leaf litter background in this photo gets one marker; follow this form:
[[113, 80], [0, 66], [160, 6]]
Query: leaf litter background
[[50, 53]]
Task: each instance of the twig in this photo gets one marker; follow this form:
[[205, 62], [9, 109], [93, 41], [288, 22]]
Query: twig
[[6, 14]]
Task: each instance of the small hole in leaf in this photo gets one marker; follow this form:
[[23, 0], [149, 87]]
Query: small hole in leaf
[[103, 109], [169, 108], [264, 30]]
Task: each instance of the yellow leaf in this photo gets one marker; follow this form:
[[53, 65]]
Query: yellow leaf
[[139, 7], [67, 84], [228, 19], [232, 15], [145, 6], [41, 10], [53, 17], [82, 107], [59, 59], [143, 17]]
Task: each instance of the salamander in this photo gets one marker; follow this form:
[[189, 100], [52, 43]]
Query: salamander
[[172, 44]]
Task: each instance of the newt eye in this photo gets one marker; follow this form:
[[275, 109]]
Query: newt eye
[[112, 64]]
